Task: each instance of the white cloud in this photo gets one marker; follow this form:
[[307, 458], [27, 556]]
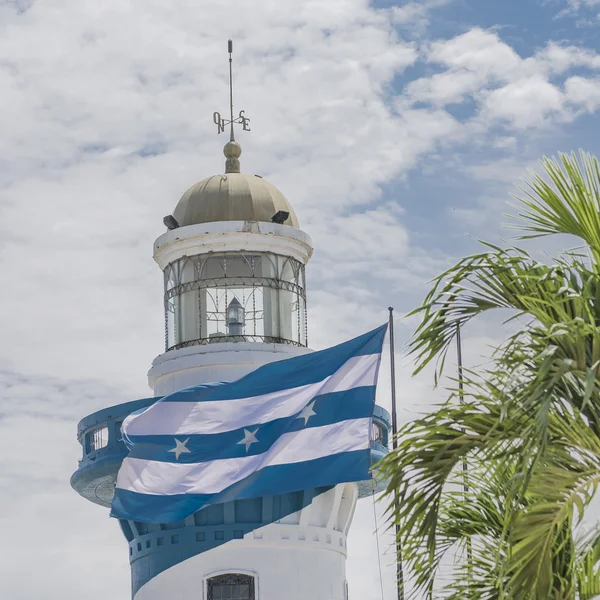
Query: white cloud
[[409, 13], [583, 92], [576, 4], [554, 58], [524, 103], [444, 88], [580, 9], [478, 51], [70, 541], [106, 120], [519, 93], [414, 16], [505, 142], [369, 236]]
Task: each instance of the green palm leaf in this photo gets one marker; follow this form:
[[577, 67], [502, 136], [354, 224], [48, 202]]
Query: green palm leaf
[[529, 428]]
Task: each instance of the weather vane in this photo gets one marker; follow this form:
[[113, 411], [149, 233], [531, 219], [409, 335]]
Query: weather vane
[[243, 120]]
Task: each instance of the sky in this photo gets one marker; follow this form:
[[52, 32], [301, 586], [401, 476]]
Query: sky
[[396, 130]]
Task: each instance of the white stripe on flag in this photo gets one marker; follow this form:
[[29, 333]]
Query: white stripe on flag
[[189, 418], [166, 478]]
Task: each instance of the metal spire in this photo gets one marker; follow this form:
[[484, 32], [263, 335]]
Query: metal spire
[[232, 149], [230, 50]]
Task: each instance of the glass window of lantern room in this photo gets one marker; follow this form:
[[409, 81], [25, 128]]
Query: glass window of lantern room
[[172, 321], [288, 301], [269, 271], [232, 586], [224, 278], [292, 321], [189, 322], [171, 306]]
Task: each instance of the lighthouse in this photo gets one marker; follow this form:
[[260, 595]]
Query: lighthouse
[[233, 260]]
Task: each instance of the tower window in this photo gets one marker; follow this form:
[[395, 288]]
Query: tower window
[[378, 434], [98, 438], [232, 586]]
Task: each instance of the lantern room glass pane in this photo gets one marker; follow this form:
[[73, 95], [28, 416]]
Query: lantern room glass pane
[[187, 270], [299, 321], [172, 317], [189, 324], [266, 266], [171, 277], [288, 272], [285, 304]]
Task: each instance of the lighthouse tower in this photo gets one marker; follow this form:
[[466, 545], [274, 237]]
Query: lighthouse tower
[[233, 260]]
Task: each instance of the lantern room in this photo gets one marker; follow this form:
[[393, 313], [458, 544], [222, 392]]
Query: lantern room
[[235, 296]]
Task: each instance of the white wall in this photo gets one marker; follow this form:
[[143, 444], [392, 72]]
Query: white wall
[[177, 369], [288, 561]]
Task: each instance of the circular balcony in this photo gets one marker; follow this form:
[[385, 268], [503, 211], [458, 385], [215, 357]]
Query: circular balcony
[[103, 450]]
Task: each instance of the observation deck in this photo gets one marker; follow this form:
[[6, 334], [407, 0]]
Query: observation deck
[[104, 450]]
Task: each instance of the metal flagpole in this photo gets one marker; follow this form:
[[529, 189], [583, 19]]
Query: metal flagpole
[[399, 570], [461, 390]]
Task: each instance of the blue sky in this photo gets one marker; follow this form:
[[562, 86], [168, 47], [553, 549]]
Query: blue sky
[[397, 131], [526, 27]]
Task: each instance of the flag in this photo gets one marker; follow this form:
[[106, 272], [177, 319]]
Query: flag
[[291, 425]]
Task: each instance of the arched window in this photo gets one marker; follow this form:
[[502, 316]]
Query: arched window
[[231, 586]]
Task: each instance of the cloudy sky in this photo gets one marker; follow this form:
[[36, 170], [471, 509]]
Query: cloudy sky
[[397, 131]]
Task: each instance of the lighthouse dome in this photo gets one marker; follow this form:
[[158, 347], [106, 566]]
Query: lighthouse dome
[[232, 197]]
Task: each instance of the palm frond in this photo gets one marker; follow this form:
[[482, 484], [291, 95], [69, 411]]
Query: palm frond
[[568, 201], [529, 427]]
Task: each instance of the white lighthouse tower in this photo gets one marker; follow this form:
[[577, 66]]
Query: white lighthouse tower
[[233, 261]]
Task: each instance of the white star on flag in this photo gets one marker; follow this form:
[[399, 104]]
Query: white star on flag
[[180, 448], [249, 438], [307, 413]]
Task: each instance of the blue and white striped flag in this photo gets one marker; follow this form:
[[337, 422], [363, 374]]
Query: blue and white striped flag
[[299, 423]]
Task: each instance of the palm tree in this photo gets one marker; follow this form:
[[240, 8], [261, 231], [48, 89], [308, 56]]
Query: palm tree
[[529, 423]]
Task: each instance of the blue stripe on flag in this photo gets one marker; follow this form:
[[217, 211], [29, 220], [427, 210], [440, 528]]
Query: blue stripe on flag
[[355, 403], [279, 479]]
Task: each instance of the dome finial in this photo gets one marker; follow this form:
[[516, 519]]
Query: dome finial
[[232, 149]]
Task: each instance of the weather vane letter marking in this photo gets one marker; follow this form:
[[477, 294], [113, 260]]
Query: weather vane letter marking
[[245, 121], [219, 122], [241, 119]]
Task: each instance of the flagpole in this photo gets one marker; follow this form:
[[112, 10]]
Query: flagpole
[[461, 393], [399, 570]]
